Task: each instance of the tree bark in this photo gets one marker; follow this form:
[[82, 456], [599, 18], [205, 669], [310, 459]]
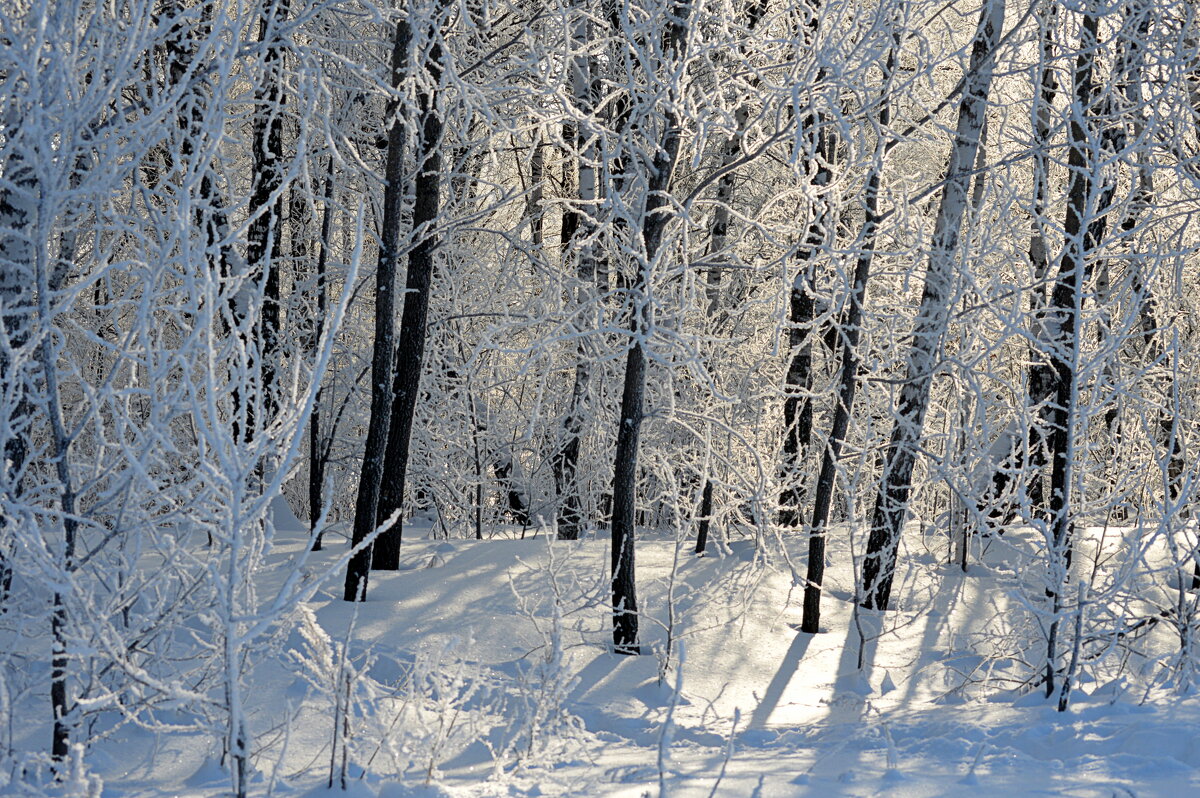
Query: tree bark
[[537, 177], [848, 382], [318, 454], [891, 503], [410, 350], [1081, 238], [797, 402], [263, 236], [633, 395], [577, 228], [798, 381], [378, 427]]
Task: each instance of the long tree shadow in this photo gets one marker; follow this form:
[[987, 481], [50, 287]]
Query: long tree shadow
[[851, 685], [779, 682]]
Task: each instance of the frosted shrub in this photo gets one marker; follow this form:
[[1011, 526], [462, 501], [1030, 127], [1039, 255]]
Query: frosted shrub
[[542, 727], [438, 706]]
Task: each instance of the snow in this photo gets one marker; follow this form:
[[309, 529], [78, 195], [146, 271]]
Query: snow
[[483, 668]]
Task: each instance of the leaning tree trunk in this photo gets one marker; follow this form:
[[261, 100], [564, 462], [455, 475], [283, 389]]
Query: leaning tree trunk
[[410, 350], [656, 216], [848, 383], [378, 428], [891, 503]]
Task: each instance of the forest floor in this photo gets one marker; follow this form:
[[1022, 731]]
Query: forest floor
[[497, 651]]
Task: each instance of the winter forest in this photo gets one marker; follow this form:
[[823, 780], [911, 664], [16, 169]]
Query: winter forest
[[599, 397]]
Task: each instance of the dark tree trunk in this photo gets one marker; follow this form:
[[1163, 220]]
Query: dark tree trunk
[[263, 236], [706, 509], [848, 383], [537, 177], [633, 395], [891, 504], [1039, 386], [578, 224], [410, 350], [1083, 231], [624, 586], [569, 519], [318, 454], [797, 402], [798, 382], [381, 359], [25, 285], [60, 700]]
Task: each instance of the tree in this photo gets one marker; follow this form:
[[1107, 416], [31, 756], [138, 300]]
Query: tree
[[850, 333], [263, 239], [655, 217], [891, 503], [410, 348], [578, 228], [379, 428]]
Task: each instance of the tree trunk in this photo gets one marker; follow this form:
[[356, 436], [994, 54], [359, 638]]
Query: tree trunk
[[318, 453], [410, 351], [891, 504], [60, 700], [577, 228], [797, 402], [1039, 383], [848, 383], [798, 382], [1081, 239], [378, 427], [633, 395], [537, 177], [266, 201]]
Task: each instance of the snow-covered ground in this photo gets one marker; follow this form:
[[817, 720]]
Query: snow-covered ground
[[482, 669]]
